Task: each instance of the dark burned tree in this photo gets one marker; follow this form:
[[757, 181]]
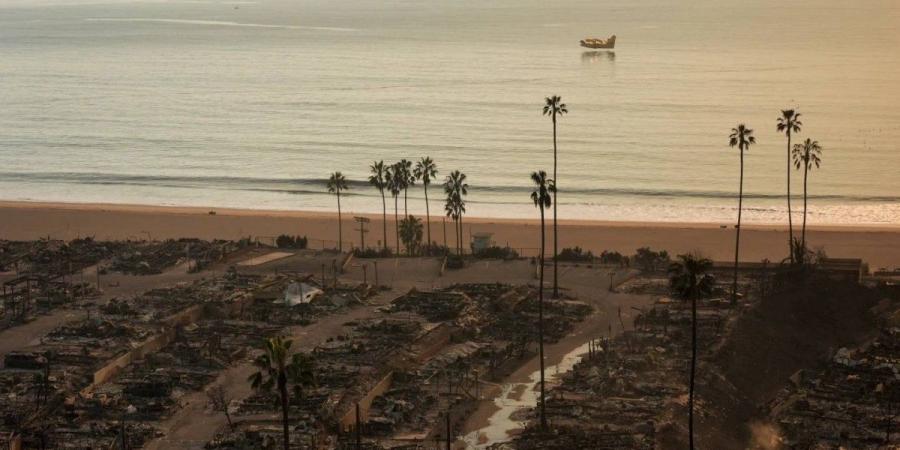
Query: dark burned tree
[[277, 370], [218, 400], [543, 187], [689, 281]]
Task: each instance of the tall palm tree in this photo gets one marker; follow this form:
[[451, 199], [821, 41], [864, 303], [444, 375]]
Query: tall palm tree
[[337, 183], [450, 210], [789, 123], [689, 281], [806, 155], [553, 106], [406, 179], [541, 198], [426, 170], [277, 369], [376, 179], [393, 179], [456, 188], [741, 137]]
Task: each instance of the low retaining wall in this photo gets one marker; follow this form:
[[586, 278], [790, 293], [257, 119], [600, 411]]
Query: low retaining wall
[[348, 422], [165, 337], [152, 345], [433, 342]]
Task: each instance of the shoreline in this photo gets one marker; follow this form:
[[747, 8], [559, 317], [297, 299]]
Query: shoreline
[[879, 245], [301, 214]]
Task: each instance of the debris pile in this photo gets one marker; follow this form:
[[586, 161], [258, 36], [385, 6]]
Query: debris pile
[[113, 376], [621, 394], [852, 401], [154, 257]]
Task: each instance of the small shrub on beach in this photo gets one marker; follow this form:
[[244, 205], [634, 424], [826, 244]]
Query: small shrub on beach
[[651, 261], [576, 254], [497, 253], [296, 242], [616, 258], [372, 253], [455, 262], [434, 249]]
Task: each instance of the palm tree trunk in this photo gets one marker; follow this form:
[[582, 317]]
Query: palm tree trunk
[[805, 176], [282, 389], [384, 218], [405, 206], [790, 216], [456, 229], [693, 370], [541, 321], [555, 229], [340, 225], [397, 221], [737, 241], [462, 241], [427, 214]]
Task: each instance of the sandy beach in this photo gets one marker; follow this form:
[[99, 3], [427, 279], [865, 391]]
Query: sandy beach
[[879, 246]]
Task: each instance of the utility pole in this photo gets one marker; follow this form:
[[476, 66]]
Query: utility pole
[[375, 263], [358, 438], [334, 271], [362, 221], [448, 429], [124, 438]]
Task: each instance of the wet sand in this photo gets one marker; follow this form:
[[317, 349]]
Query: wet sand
[[878, 245]]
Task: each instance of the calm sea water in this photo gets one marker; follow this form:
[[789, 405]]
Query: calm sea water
[[253, 103]]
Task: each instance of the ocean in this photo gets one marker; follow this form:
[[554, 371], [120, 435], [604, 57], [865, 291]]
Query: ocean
[[251, 104]]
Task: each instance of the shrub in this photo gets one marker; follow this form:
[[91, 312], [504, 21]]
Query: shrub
[[576, 254], [372, 253], [497, 253], [285, 241], [651, 261], [411, 234], [455, 262], [434, 249], [608, 257]]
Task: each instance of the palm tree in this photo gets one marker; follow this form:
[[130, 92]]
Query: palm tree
[[450, 210], [789, 123], [426, 170], [456, 188], [277, 369], [553, 106], [541, 198], [689, 281], [337, 183], [411, 233], [393, 179], [741, 137], [406, 179], [376, 179], [806, 155]]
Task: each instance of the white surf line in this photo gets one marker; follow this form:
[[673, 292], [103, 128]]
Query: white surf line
[[219, 23]]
